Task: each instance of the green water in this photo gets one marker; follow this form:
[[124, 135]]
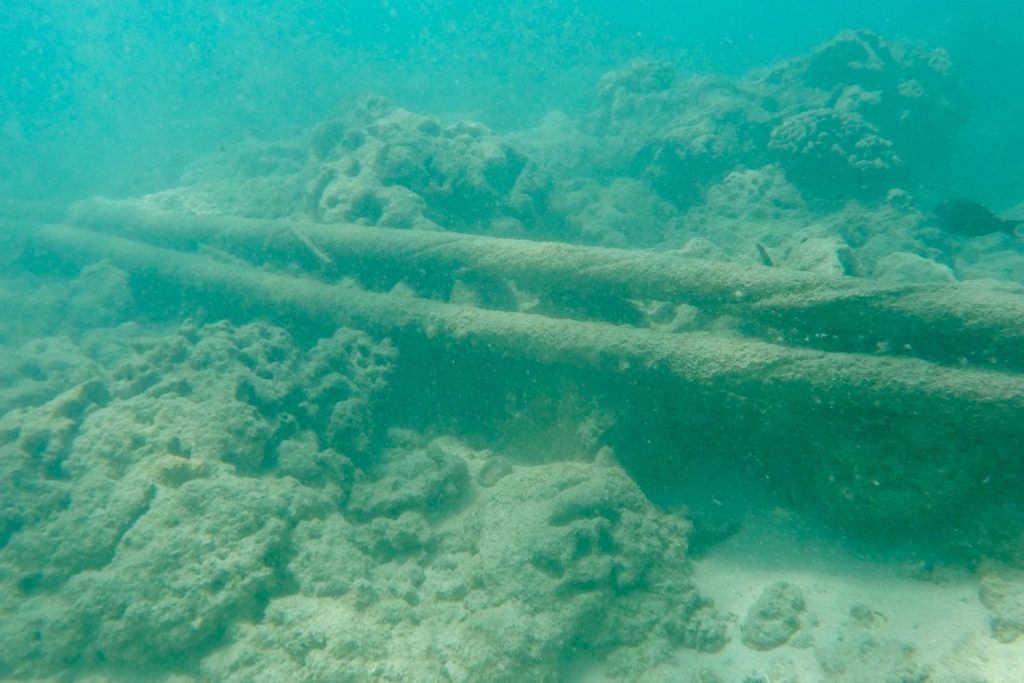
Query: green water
[[536, 342]]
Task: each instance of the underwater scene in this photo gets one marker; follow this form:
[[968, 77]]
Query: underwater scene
[[535, 341]]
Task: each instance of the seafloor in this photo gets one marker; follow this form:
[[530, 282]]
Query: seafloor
[[232, 449]]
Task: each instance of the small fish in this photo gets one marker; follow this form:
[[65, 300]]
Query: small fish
[[967, 217]]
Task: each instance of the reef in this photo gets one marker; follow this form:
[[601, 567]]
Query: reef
[[415, 398]]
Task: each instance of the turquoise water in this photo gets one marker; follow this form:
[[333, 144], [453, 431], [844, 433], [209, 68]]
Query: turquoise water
[[438, 341], [120, 96]]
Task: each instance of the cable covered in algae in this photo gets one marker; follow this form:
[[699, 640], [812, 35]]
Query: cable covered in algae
[[947, 323], [727, 360], [871, 440]]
